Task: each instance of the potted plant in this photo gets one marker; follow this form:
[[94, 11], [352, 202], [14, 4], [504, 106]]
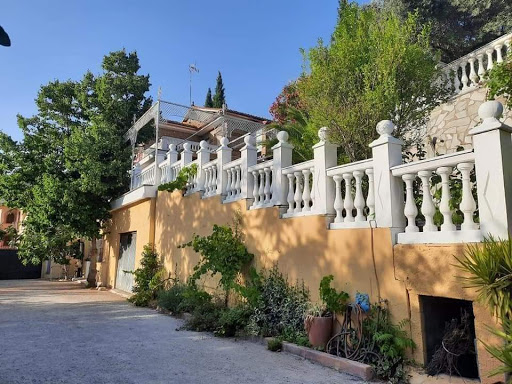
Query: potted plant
[[319, 319]]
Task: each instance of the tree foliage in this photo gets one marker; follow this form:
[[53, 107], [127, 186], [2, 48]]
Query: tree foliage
[[377, 66], [72, 160], [209, 101], [219, 99], [499, 81], [458, 26]]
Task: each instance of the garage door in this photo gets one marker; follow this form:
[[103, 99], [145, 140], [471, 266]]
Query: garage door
[[126, 261], [12, 268]]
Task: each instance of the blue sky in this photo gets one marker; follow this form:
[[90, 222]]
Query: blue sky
[[255, 44]]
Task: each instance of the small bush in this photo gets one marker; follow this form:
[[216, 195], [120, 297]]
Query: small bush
[[149, 278], [335, 302], [172, 298], [193, 298], [233, 321], [280, 306], [275, 345], [205, 317]]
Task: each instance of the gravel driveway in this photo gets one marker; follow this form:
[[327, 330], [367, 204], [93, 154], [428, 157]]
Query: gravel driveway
[[55, 332]]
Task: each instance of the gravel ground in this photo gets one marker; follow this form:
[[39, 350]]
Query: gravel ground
[[56, 332]]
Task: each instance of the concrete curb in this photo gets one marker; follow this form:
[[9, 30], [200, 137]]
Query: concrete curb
[[355, 368]]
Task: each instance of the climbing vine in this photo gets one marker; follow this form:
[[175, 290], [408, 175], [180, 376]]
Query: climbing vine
[[181, 180]]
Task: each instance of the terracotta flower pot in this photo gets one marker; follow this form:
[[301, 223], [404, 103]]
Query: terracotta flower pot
[[319, 332]]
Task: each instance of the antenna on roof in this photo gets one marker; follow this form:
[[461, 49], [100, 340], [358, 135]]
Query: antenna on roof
[[191, 69]]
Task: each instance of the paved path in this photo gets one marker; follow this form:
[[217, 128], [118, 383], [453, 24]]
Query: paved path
[[53, 332]]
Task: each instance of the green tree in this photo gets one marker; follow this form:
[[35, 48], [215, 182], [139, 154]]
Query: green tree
[[499, 81], [376, 67], [209, 101], [219, 98], [458, 26], [72, 161]]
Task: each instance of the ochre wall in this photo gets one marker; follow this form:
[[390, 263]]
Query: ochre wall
[[139, 218], [432, 270], [303, 247]]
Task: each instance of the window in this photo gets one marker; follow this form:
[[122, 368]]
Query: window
[[10, 218]]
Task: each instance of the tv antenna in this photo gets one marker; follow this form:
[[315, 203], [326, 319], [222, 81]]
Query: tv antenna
[[191, 69]]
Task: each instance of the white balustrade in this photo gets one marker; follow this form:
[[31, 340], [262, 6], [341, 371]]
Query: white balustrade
[[193, 184], [299, 198], [352, 209], [147, 175], [467, 72], [234, 172], [211, 173], [263, 185], [453, 168]]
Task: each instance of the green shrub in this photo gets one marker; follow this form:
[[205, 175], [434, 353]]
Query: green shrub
[[181, 180], [335, 302], [280, 306], [233, 321], [222, 252], [193, 298], [205, 317], [149, 278], [172, 298], [274, 345], [389, 344]]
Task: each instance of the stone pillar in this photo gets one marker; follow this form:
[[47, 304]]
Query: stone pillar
[[389, 190], [203, 156], [282, 157], [160, 157], [186, 155], [172, 154], [223, 157], [325, 156], [249, 157], [493, 163]]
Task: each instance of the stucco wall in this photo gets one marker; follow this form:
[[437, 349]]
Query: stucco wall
[[451, 121], [139, 218], [303, 247], [432, 270]]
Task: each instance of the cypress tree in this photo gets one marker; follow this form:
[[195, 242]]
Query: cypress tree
[[219, 98], [208, 102]]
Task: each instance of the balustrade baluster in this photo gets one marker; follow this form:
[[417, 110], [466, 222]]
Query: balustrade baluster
[[481, 69], [499, 56], [456, 82], [370, 200], [444, 205], [290, 196], [489, 59], [272, 176], [207, 181], [312, 170], [349, 200], [238, 170], [266, 190], [427, 207], [472, 72], [306, 193], [410, 209], [338, 200], [359, 200], [467, 204], [213, 187], [255, 192], [464, 79], [261, 190], [298, 193], [228, 184]]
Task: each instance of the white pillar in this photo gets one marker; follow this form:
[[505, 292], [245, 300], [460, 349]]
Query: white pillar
[[325, 157], [160, 157], [186, 155], [249, 158], [493, 162], [203, 156], [282, 157], [389, 190], [172, 154], [223, 157]]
